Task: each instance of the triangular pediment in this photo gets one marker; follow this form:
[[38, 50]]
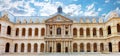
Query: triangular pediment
[[58, 19]]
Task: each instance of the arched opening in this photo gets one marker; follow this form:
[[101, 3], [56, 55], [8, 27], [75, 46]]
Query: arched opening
[[42, 47], [30, 32], [74, 31], [59, 31], [35, 47], [23, 31], [36, 31], [29, 47], [81, 31], [110, 47], [75, 47], [95, 47], [101, 32], [0, 28], [119, 46], [88, 32], [42, 32], [66, 49], [88, 47], [109, 30], [7, 47], [94, 31], [101, 47], [16, 47], [9, 30], [22, 47], [81, 47], [58, 47], [17, 31], [50, 49], [118, 28]]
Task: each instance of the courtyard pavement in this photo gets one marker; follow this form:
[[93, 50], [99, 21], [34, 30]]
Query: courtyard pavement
[[61, 54]]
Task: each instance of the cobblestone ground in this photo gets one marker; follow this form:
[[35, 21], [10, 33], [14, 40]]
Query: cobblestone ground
[[60, 54]]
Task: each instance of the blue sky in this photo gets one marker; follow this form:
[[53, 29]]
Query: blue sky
[[48, 7]]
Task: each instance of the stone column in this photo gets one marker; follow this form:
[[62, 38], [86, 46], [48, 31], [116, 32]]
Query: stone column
[[32, 47], [85, 32], [92, 47], [38, 51], [25, 50], [19, 49], [113, 30], [78, 33], [11, 49], [69, 30], [78, 46], [52, 47], [98, 47], [98, 33], [13, 31], [69, 47], [20, 32], [39, 30], [85, 47], [33, 33], [55, 29], [115, 47], [91, 32], [26, 33], [55, 46]]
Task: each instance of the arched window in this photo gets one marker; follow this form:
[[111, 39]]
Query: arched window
[[42, 32], [36, 31], [23, 31], [29, 47], [0, 28], [22, 47], [101, 47], [42, 47], [7, 47], [101, 32], [81, 47], [118, 28], [16, 47], [75, 47], [88, 47], [95, 47], [9, 30], [94, 31], [88, 32], [81, 31], [59, 31], [17, 31], [30, 32], [35, 47], [110, 46], [109, 30], [74, 31], [119, 46]]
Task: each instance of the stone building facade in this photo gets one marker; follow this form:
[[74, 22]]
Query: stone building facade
[[59, 33]]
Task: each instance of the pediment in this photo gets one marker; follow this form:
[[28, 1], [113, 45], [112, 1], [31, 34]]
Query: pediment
[[58, 19]]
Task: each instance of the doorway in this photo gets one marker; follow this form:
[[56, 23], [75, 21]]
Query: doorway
[[58, 47]]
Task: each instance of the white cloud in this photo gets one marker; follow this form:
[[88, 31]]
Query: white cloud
[[90, 11], [89, 7], [72, 9], [107, 1], [99, 9], [48, 8]]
